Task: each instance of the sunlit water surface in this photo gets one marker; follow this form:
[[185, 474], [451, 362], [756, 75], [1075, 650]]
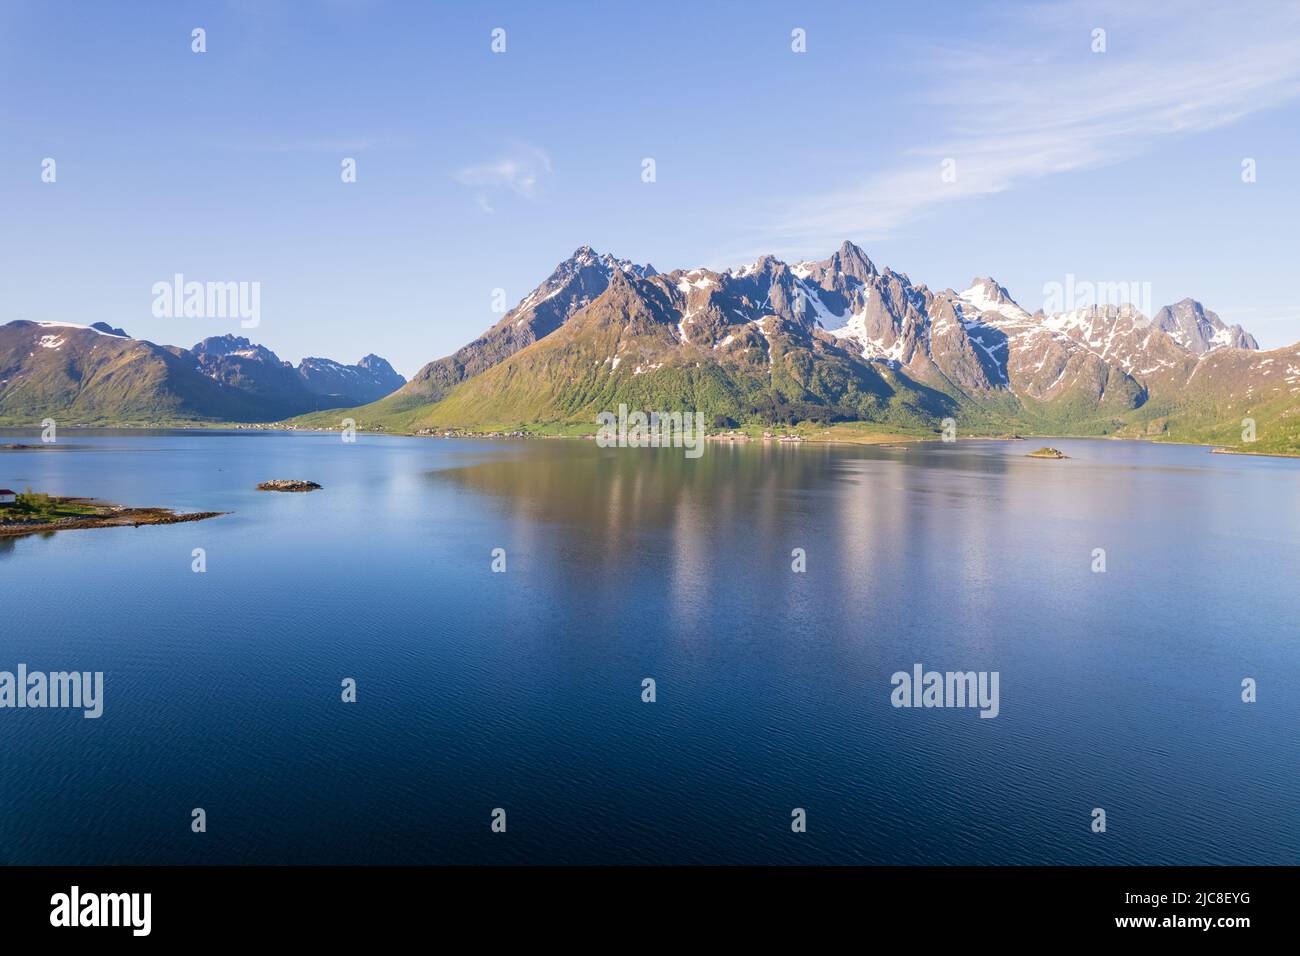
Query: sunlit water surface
[[522, 690]]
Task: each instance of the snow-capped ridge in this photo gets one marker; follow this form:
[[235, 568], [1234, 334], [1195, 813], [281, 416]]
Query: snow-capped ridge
[[986, 295], [99, 328], [1199, 330]]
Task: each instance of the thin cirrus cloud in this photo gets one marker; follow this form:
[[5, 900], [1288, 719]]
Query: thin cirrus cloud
[[523, 171], [1051, 105]]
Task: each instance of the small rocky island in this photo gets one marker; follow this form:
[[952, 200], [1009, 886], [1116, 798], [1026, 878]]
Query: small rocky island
[[36, 513], [1046, 452], [288, 484]]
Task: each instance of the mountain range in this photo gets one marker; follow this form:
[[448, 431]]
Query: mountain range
[[840, 339], [97, 374], [821, 341]]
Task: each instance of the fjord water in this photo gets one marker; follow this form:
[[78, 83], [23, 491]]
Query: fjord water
[[522, 690]]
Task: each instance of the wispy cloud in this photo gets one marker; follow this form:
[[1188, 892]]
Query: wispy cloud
[[523, 170], [1046, 104]]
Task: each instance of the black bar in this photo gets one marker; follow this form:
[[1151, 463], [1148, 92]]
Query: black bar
[[370, 904]]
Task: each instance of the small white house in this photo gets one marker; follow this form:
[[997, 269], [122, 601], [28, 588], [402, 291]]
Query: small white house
[[7, 497]]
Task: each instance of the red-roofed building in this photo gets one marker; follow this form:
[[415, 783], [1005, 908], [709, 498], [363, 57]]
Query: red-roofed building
[[7, 497]]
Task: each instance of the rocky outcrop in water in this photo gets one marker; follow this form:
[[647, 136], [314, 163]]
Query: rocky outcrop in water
[[288, 484]]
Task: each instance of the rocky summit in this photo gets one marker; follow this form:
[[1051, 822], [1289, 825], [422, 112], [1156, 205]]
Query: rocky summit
[[772, 342], [841, 339]]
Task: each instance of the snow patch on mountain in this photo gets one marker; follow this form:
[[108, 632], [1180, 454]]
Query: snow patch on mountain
[[985, 295], [98, 328]]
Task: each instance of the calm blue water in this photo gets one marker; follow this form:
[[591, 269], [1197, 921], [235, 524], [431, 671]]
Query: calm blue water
[[522, 690]]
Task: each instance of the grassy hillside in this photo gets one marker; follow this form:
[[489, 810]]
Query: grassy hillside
[[78, 376], [537, 391], [622, 350]]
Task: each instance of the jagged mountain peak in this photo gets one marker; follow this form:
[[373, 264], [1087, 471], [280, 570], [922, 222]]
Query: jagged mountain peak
[[848, 260], [991, 288], [370, 378], [987, 295], [975, 344], [219, 344], [573, 285], [373, 361], [223, 345], [587, 257], [852, 261], [1199, 330], [764, 265]]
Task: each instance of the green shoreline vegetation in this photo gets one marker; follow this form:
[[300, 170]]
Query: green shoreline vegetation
[[40, 513], [849, 432]]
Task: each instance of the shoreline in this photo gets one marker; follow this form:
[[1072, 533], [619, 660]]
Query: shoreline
[[1221, 450], [734, 436], [114, 516], [878, 439]]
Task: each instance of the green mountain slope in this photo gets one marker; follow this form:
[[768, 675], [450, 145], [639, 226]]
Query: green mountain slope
[[841, 340], [82, 376], [97, 375], [624, 348]]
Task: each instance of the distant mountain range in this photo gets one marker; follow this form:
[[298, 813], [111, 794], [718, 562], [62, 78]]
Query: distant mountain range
[[97, 374], [840, 339], [836, 339]]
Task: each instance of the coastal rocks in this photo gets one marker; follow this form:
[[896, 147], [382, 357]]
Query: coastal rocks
[[469, 433], [76, 514], [288, 484]]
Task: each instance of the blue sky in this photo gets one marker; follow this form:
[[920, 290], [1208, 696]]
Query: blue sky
[[479, 171]]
